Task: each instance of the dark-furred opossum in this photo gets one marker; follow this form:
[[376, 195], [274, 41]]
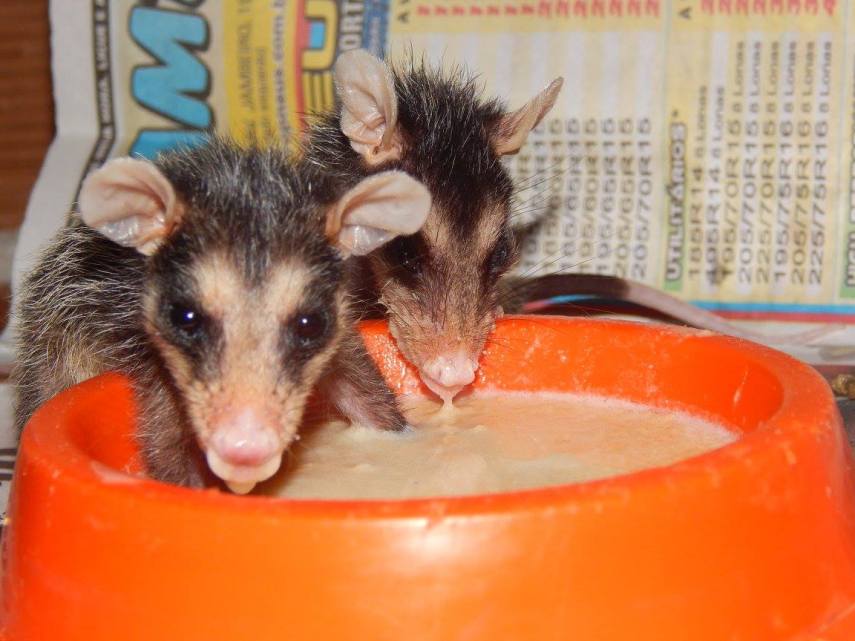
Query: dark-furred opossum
[[439, 285], [217, 279], [443, 288]]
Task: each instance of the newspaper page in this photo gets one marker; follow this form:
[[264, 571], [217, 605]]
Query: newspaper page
[[705, 147]]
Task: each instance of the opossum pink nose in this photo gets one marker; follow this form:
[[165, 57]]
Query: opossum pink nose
[[451, 370], [244, 438]]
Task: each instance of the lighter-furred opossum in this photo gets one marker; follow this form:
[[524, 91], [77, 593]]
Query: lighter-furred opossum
[[215, 278], [439, 286]]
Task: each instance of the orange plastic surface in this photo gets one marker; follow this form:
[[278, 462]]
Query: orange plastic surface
[[754, 541]]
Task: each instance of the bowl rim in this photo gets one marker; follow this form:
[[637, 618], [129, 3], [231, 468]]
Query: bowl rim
[[790, 421]]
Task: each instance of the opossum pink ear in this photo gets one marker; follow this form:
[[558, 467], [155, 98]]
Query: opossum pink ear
[[130, 202], [369, 106], [377, 210], [511, 131]]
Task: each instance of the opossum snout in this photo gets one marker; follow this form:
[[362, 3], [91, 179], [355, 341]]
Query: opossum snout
[[444, 343], [447, 374], [244, 449], [451, 370], [245, 439]]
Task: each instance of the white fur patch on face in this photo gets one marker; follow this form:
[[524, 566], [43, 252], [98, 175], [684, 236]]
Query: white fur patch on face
[[251, 319], [445, 240], [437, 232], [249, 313], [285, 288], [488, 231], [219, 285]]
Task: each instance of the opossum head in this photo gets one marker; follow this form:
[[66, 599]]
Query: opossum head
[[439, 285], [244, 296]]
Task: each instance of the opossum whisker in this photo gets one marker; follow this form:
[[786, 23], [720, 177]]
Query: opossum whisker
[[525, 214], [494, 341], [534, 184], [548, 172], [528, 206], [550, 260]]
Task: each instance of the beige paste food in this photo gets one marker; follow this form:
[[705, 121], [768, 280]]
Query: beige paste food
[[490, 443]]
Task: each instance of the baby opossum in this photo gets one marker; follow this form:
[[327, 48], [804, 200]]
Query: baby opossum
[[439, 286], [216, 279], [443, 288]]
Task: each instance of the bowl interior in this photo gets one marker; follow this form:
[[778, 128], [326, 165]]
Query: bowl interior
[[713, 377]]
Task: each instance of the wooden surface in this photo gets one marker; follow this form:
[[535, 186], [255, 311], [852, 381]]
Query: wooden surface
[[26, 105], [26, 109]]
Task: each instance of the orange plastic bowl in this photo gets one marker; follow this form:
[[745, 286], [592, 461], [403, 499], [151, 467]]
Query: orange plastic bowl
[[754, 541]]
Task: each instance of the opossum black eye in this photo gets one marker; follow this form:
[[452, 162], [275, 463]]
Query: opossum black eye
[[501, 256], [187, 320], [309, 329], [404, 254]]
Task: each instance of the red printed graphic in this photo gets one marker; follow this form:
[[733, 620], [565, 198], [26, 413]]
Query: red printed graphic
[[769, 7], [556, 8]]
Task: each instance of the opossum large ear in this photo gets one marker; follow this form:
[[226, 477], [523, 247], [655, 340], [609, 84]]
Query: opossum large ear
[[511, 130], [130, 202], [369, 106], [377, 210]]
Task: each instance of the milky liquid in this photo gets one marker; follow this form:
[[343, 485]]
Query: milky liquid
[[486, 444]]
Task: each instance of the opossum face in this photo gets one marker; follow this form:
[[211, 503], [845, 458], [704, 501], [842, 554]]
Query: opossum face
[[244, 354], [244, 296], [440, 285]]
